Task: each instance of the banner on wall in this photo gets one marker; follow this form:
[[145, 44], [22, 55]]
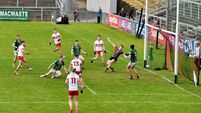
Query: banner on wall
[[153, 35], [113, 20], [125, 24], [22, 15], [186, 45]]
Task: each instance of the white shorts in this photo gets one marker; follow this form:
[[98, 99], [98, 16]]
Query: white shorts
[[132, 64], [55, 71]]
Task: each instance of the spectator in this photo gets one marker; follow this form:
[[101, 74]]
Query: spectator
[[99, 15], [65, 20], [197, 54], [76, 16], [131, 14], [122, 13]]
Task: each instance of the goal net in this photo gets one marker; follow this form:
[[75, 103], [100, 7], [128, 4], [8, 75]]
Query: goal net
[[161, 32]]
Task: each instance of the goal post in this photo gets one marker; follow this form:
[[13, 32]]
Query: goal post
[[149, 26], [176, 45]]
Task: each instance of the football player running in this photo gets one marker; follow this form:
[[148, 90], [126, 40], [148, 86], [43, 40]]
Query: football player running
[[132, 55], [16, 45], [56, 37], [77, 50], [21, 58], [99, 49]]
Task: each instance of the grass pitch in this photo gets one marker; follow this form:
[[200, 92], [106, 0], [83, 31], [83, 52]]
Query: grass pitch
[[104, 92]]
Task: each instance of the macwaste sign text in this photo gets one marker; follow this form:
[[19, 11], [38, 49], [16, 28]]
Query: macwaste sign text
[[21, 15]]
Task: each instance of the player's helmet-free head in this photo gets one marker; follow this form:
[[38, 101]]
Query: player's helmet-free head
[[62, 57], [121, 45], [76, 41], [74, 70], [76, 56], [18, 36], [98, 37], [132, 46], [23, 42]]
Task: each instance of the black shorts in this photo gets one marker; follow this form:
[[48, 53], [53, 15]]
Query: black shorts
[[115, 58]]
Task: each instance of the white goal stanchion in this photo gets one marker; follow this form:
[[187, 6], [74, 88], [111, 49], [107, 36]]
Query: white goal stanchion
[[176, 46]]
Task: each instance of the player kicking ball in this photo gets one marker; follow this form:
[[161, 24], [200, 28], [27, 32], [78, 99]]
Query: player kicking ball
[[99, 49], [20, 56], [56, 36], [132, 55], [56, 69], [77, 50], [113, 59], [16, 45], [73, 81], [76, 63]]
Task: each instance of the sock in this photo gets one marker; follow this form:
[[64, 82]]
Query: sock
[[112, 68], [71, 110], [131, 76]]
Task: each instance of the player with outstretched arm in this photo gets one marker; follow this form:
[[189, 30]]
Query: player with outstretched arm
[[113, 59]]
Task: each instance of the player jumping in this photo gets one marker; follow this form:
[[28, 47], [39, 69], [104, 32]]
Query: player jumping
[[76, 63], [73, 81], [15, 45], [56, 69], [117, 52], [20, 56], [76, 51], [56, 36], [99, 49], [133, 61]]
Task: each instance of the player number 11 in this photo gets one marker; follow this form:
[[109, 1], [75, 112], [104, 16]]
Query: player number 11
[[73, 80]]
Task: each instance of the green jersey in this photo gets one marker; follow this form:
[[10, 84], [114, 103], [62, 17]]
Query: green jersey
[[76, 50], [133, 54], [17, 43], [58, 64]]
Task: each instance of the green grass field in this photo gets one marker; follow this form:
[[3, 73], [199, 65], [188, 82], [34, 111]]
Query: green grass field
[[104, 92]]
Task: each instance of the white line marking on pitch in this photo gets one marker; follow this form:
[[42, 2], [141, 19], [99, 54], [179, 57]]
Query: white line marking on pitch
[[116, 102], [140, 94], [179, 87], [92, 91]]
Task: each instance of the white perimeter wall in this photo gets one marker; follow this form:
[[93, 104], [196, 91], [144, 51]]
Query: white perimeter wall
[[106, 5]]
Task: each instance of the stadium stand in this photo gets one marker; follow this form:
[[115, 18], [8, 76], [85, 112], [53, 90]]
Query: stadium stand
[[190, 18], [26, 3], [43, 7], [8, 3], [155, 5]]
